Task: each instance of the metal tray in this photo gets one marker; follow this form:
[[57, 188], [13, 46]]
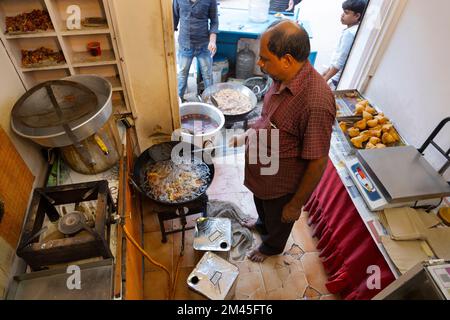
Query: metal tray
[[350, 148], [346, 103], [96, 283], [213, 234], [213, 277]]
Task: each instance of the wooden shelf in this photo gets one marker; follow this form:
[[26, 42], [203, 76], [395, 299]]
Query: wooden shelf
[[119, 106], [72, 43], [41, 34], [52, 67], [115, 83], [86, 31], [84, 59]]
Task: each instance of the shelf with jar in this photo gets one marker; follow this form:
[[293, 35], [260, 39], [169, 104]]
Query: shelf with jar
[[90, 50], [43, 46]]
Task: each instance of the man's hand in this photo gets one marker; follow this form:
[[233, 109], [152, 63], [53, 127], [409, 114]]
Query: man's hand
[[291, 5], [212, 47], [291, 213], [237, 141]]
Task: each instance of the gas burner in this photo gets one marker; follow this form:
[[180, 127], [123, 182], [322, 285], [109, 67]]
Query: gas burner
[[72, 223], [171, 212]]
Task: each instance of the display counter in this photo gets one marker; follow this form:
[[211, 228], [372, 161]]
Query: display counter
[[348, 233]]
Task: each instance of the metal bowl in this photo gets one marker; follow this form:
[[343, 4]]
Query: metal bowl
[[259, 85], [234, 86]]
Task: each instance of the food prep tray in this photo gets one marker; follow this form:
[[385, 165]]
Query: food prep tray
[[349, 147], [346, 101]]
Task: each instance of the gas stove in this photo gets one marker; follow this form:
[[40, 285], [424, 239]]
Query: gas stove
[[67, 223]]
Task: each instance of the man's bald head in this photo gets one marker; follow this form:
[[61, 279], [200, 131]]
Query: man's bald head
[[287, 37]]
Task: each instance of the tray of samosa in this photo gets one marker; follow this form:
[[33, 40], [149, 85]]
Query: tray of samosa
[[369, 129], [346, 101]]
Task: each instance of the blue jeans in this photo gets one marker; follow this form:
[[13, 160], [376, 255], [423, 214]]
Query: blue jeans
[[185, 57]]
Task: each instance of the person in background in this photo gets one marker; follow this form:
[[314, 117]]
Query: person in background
[[301, 108], [283, 5], [199, 25], [351, 17]]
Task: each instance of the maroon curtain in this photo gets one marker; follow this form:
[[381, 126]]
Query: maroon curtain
[[346, 246]]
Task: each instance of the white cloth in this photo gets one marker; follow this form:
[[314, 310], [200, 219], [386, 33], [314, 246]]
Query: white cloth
[[342, 50]]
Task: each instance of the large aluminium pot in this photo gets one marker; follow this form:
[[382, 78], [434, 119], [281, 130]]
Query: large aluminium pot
[[75, 115], [205, 139], [85, 106]]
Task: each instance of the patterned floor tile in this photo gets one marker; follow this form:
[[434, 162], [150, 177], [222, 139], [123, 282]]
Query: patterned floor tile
[[315, 273], [311, 294], [302, 234], [248, 285]]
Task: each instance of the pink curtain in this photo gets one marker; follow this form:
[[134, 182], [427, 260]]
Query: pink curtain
[[346, 246]]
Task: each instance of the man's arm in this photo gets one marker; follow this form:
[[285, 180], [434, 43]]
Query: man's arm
[[330, 73], [176, 14], [340, 57], [292, 3], [213, 27], [212, 47], [311, 178]]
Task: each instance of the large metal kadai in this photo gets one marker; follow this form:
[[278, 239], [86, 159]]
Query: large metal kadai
[[74, 114]]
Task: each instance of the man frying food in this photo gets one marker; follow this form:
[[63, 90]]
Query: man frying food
[[300, 107]]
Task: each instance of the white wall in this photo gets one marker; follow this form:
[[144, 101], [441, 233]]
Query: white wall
[[412, 82], [325, 19], [145, 33]]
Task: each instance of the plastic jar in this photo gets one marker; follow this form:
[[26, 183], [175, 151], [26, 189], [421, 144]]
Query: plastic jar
[[245, 63], [222, 63]]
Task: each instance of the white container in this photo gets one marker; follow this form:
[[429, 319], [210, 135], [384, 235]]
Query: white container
[[208, 139], [217, 74], [258, 10], [222, 63], [214, 277], [212, 234]]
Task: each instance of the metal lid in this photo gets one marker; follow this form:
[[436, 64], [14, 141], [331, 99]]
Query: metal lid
[[62, 112]]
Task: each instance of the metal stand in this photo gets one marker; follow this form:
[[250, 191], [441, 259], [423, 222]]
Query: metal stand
[[171, 212], [230, 122], [430, 140]]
